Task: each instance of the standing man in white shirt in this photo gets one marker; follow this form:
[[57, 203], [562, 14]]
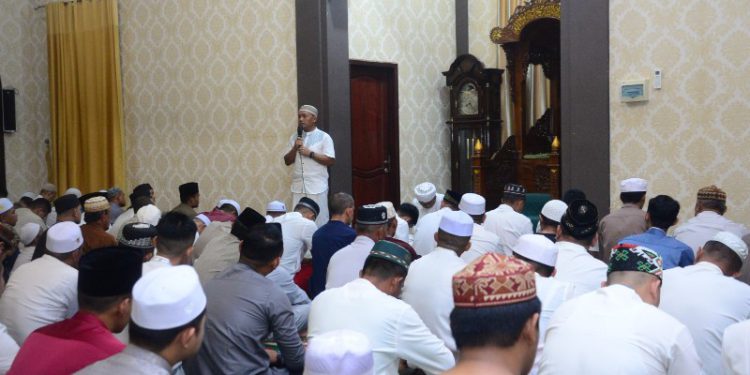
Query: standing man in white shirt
[[316, 154], [736, 349], [346, 264], [482, 240], [428, 285], [427, 226], [707, 298], [370, 305], [541, 253], [710, 207], [426, 199], [575, 235], [44, 291], [618, 329], [507, 220]]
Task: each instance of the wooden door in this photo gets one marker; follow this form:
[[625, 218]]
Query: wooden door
[[374, 110]]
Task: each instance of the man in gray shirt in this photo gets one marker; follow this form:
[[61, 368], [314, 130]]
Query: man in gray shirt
[[244, 309]]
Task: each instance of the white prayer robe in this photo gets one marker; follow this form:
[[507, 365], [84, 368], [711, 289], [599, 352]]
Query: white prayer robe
[[402, 230], [297, 232], [612, 331], [707, 302], [424, 211], [482, 242], [507, 224], [8, 349], [575, 265], [552, 293], [38, 293], [424, 237], [346, 263], [121, 220], [428, 288], [736, 349], [699, 229], [394, 329]]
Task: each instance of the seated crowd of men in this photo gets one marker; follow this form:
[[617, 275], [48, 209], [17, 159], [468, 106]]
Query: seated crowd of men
[[439, 285]]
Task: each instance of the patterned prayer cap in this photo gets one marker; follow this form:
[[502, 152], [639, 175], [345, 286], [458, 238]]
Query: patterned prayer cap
[[137, 235], [712, 193], [514, 190], [581, 219], [494, 280], [629, 257], [391, 252]]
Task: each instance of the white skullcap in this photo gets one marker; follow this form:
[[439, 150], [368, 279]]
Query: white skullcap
[[149, 214], [28, 232], [49, 187], [5, 205], [537, 248], [29, 195], [472, 204], [276, 206], [733, 242], [309, 109], [231, 202], [390, 211], [554, 209], [425, 192], [73, 191], [203, 218], [340, 352], [64, 237], [168, 297], [457, 223], [633, 185]]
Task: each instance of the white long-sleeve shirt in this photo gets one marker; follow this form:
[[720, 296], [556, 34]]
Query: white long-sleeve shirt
[[482, 242], [736, 349], [297, 232], [552, 293], [699, 229], [612, 331], [424, 236], [507, 224], [346, 263], [577, 266], [393, 327]]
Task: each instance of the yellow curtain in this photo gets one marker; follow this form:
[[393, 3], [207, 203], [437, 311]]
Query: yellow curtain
[[83, 46]]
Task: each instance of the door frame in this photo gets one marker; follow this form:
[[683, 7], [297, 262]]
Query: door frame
[[393, 134]]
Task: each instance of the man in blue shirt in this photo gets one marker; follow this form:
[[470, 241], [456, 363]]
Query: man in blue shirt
[[330, 238], [662, 214]]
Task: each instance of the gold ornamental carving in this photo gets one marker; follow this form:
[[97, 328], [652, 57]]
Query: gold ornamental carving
[[524, 14]]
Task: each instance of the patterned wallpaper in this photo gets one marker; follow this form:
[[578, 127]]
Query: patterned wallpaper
[[207, 86], [693, 132], [419, 36], [23, 66]]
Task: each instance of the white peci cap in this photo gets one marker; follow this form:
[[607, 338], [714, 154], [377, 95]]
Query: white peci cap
[[231, 202], [29, 195], [203, 218], [73, 191], [472, 204], [5, 205], [457, 223], [167, 297], [554, 209], [28, 232], [276, 206], [425, 192], [538, 248], [733, 242], [633, 185], [64, 237], [341, 352], [149, 214], [390, 211]]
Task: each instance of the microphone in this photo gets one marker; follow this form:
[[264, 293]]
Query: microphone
[[299, 131]]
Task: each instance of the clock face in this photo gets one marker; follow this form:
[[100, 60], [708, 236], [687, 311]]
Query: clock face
[[468, 99]]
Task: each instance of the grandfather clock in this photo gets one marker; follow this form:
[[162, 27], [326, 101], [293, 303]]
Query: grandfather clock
[[475, 125]]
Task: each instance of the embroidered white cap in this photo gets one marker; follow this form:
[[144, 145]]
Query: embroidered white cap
[[167, 297], [276, 206], [554, 209], [148, 214], [309, 109], [633, 185], [203, 218], [457, 223], [342, 352], [5, 205], [231, 202], [389, 209], [733, 242], [73, 191], [472, 204], [425, 192], [28, 232], [537, 248], [64, 237]]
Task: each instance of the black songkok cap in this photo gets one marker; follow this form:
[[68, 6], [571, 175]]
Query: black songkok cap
[[250, 217], [514, 191], [109, 272], [581, 219], [311, 204], [66, 202], [452, 197], [188, 189], [142, 190], [371, 214]]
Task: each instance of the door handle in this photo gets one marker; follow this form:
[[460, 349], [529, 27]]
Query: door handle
[[387, 164]]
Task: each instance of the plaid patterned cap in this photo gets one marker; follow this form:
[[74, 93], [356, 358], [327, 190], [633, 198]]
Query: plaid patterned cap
[[391, 252], [494, 280], [629, 257], [712, 193]]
